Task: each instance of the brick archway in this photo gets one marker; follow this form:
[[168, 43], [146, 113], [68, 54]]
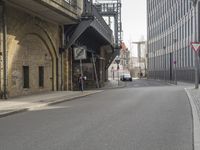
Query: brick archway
[[31, 51]]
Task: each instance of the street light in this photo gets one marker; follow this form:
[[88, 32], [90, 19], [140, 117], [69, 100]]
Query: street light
[[164, 53], [117, 60], [174, 62], [154, 65], [194, 2]]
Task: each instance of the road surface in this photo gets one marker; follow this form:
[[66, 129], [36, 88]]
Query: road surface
[[149, 116]]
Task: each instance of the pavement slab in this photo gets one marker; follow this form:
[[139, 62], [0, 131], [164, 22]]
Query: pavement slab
[[35, 101], [25, 103]]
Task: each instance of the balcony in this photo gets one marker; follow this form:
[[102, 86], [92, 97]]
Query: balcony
[[60, 11]]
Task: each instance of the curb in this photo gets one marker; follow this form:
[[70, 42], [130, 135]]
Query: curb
[[28, 108], [196, 121], [71, 98], [13, 112]]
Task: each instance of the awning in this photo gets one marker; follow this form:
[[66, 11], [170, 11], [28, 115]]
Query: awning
[[88, 32]]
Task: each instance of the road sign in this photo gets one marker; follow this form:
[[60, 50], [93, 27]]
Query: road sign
[[195, 46], [80, 53], [174, 62], [117, 60]]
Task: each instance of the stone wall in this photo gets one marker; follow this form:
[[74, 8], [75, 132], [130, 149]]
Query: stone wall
[[73, 9], [1, 47], [31, 42]]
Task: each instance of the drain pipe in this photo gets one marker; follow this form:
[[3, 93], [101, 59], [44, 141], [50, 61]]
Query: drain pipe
[[4, 27]]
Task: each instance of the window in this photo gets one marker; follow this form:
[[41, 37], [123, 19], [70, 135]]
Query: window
[[41, 76], [26, 76]]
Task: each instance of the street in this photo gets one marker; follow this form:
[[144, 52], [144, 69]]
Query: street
[[145, 115]]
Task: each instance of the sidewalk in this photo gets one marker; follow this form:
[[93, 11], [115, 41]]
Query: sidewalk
[[30, 102]]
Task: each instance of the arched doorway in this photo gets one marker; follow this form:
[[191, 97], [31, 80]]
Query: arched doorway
[[31, 68]]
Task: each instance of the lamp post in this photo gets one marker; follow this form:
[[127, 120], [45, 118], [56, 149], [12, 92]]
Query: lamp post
[[164, 53], [174, 62], [117, 60], [154, 65], [194, 2]]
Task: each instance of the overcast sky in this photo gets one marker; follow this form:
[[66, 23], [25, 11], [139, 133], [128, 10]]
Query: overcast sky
[[133, 21]]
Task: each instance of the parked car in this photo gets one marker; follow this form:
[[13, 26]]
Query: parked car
[[126, 77]]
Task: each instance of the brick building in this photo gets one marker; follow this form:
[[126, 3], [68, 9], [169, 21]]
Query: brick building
[[36, 44]]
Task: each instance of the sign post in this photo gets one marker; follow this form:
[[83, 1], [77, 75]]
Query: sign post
[[196, 47], [80, 54], [117, 60], [175, 78]]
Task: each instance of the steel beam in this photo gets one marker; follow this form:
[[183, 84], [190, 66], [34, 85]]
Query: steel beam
[[83, 25]]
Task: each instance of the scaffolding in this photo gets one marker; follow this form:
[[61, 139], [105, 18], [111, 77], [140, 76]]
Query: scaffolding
[[112, 9]]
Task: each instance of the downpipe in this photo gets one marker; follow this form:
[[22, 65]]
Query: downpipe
[[4, 30]]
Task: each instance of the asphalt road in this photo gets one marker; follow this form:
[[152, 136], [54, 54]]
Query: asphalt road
[[145, 83], [141, 118]]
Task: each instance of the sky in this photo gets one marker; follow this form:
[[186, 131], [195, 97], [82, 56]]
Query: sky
[[133, 22]]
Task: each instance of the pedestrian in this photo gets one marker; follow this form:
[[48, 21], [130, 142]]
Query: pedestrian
[[141, 75], [80, 82]]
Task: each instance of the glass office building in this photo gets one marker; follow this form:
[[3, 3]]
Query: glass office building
[[170, 30]]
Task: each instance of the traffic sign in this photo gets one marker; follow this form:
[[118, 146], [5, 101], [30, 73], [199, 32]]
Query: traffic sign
[[174, 62], [117, 60], [80, 53], [195, 46]]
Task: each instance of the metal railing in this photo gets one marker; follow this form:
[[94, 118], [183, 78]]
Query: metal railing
[[99, 23]]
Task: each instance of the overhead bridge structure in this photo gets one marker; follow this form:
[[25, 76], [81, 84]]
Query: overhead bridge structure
[[96, 36], [112, 9]]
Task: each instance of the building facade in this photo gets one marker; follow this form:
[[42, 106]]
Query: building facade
[[170, 30], [93, 33], [138, 65], [116, 70], [30, 43], [37, 39]]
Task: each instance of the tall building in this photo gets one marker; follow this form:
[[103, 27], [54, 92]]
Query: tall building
[[170, 30], [138, 65]]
